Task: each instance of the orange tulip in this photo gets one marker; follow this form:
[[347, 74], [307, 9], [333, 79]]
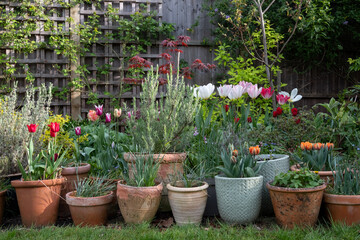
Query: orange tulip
[[235, 153], [306, 145], [330, 145], [318, 146], [254, 150], [92, 116]]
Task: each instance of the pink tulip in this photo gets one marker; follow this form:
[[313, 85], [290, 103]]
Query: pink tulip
[[282, 99], [108, 117], [266, 93], [99, 110], [78, 131], [245, 85], [254, 91]]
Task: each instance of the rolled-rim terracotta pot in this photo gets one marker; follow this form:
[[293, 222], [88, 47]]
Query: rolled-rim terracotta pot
[[327, 176], [187, 203], [296, 206], [89, 211], [343, 208], [72, 175], [171, 165], [2, 204], [138, 204], [38, 201]]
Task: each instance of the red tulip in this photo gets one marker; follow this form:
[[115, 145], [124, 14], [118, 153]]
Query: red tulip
[[236, 120], [54, 127], [279, 111], [282, 99], [32, 127], [275, 114], [294, 111], [298, 121], [249, 119], [226, 108], [266, 93], [52, 134]]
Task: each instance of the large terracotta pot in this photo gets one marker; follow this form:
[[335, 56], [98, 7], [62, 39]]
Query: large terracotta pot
[[2, 204], [89, 211], [72, 176], [327, 176], [171, 165], [270, 166], [296, 206], [239, 199], [138, 204], [38, 201], [187, 204], [343, 208]]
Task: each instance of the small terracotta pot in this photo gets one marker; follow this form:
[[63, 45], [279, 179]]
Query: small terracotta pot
[[343, 208], [89, 211], [296, 206], [138, 204], [187, 204], [171, 165], [72, 175], [38, 201], [327, 176], [2, 204]]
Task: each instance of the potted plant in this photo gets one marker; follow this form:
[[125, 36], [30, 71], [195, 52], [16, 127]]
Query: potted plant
[[296, 197], [318, 157], [3, 189], [342, 199], [139, 195], [271, 165], [38, 192], [90, 201], [188, 197], [163, 127], [239, 189]]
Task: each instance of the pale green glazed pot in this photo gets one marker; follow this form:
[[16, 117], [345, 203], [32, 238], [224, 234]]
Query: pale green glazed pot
[[269, 169], [238, 199]]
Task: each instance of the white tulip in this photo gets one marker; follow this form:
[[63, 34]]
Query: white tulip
[[294, 97], [224, 90], [236, 92], [204, 92]]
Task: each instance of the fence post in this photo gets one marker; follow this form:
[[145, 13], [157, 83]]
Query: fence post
[[75, 93]]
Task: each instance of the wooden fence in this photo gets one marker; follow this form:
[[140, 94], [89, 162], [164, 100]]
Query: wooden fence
[[316, 85]]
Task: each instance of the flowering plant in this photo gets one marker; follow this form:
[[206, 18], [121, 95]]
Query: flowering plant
[[317, 156], [240, 163], [298, 179], [46, 164]]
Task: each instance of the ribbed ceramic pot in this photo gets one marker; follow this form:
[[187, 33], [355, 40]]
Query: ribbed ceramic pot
[[2, 204], [239, 199], [89, 211], [138, 204], [171, 165], [187, 204], [343, 208], [38, 201], [296, 206], [269, 168], [72, 176]]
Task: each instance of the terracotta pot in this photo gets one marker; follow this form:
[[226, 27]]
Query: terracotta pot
[[296, 206], [171, 165], [138, 204], [89, 211], [343, 208], [72, 176], [38, 201], [327, 176], [187, 204], [2, 204]]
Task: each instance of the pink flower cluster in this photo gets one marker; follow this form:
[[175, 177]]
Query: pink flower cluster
[[236, 91]]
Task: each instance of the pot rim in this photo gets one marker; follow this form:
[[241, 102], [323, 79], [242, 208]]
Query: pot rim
[[119, 183], [88, 201], [341, 199], [295, 167], [222, 176], [83, 168], [181, 156], [295, 190], [37, 183], [3, 192], [204, 186], [281, 157]]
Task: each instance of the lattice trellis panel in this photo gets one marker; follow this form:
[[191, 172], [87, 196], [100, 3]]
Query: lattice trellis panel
[[109, 53], [41, 63]]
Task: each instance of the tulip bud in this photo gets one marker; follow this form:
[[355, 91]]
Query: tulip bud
[[233, 159], [108, 117], [78, 131], [235, 153], [99, 110]]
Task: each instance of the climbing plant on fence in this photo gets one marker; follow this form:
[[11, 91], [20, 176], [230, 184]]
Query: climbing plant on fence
[[83, 47]]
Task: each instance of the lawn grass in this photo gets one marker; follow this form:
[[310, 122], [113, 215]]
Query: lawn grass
[[146, 231]]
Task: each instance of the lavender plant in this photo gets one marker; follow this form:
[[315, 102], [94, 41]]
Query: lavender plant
[[13, 120]]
